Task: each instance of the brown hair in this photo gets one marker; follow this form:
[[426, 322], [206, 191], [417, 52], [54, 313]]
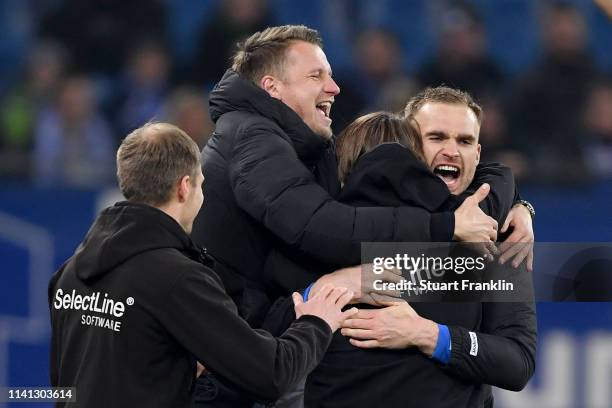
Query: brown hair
[[264, 52], [371, 130], [152, 160], [442, 94]]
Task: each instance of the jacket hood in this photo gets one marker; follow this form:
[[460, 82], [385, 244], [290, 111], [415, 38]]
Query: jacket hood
[[391, 175], [236, 93], [125, 230]]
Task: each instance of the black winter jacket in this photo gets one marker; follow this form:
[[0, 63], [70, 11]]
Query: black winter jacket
[[505, 332], [390, 175], [269, 180], [137, 305]]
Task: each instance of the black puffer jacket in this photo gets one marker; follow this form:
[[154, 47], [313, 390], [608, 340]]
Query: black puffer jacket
[[269, 180]]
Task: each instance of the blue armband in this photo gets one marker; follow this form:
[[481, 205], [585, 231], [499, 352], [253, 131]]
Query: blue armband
[[442, 352], [307, 292]]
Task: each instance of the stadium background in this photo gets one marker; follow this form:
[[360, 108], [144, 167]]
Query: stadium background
[[75, 76]]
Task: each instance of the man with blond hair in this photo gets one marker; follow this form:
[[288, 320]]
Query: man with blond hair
[[442, 354]]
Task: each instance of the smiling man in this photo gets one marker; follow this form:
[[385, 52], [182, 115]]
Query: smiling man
[[305, 84]]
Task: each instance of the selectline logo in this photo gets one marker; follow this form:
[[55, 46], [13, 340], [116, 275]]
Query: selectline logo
[[93, 303]]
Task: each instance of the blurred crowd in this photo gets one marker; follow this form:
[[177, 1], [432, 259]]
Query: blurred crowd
[[97, 69]]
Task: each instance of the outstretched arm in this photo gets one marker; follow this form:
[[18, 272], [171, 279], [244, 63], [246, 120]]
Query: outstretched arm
[[201, 317], [500, 353]]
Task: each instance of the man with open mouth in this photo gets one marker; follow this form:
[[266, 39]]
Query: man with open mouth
[[450, 142]]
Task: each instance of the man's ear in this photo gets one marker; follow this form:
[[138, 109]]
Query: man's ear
[[271, 85], [184, 186], [478, 154]]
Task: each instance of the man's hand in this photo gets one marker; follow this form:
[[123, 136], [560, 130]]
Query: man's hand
[[327, 304], [394, 327], [519, 245], [471, 223], [352, 278]]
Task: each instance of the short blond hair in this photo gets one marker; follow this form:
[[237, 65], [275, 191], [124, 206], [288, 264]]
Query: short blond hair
[[264, 52], [442, 94]]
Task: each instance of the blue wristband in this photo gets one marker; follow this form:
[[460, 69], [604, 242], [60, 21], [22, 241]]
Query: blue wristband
[[307, 292], [442, 352]]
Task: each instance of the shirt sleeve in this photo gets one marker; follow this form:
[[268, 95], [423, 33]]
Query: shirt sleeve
[[442, 351]]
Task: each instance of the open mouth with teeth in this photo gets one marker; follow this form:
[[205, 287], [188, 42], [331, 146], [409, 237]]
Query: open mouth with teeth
[[324, 108], [448, 173]]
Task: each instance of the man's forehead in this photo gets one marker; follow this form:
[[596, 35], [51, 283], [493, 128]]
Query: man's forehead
[[455, 119], [307, 57]]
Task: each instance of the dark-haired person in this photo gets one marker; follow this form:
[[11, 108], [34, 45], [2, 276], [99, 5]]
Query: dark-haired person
[[437, 354], [138, 304]]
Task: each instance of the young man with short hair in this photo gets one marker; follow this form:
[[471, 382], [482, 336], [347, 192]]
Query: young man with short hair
[[445, 354]]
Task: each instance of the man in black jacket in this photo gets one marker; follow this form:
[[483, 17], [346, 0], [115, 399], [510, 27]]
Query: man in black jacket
[[271, 168], [138, 304], [445, 355]]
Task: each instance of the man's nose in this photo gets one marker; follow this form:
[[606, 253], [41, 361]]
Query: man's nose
[[332, 87], [450, 150]]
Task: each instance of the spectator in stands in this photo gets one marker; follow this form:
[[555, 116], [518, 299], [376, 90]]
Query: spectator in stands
[[144, 87], [462, 60], [544, 115], [20, 108], [98, 33], [233, 21], [494, 134], [73, 143], [378, 83], [598, 125], [188, 109]]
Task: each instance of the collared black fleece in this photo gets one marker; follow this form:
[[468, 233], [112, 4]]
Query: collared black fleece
[[271, 181], [137, 304]]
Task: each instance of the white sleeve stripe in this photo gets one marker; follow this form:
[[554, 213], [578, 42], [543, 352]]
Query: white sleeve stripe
[[474, 344]]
